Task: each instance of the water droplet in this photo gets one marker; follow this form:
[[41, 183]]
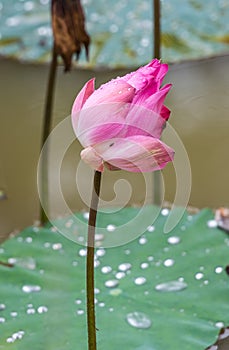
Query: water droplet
[[100, 252], [47, 244], [150, 228], [144, 265], [219, 324], [30, 311], [183, 228], [119, 275], [212, 223], [96, 263], [111, 228], [2, 320], [31, 288], [165, 212], [124, 267], [86, 215], [75, 263], [142, 240], [139, 281], [127, 251], [13, 314], [80, 312], [2, 307], [138, 320], [99, 237], [111, 309], [111, 283], [173, 240], [57, 246], [171, 286], [219, 269], [83, 252], [80, 239], [106, 269], [28, 240], [199, 275], [101, 304], [97, 290], [168, 262], [42, 309], [150, 258], [9, 340], [27, 262], [78, 301], [120, 92]]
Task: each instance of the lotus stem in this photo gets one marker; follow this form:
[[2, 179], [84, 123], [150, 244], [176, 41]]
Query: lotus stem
[[47, 123], [90, 262]]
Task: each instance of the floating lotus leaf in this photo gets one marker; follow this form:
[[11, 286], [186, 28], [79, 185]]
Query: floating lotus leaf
[[158, 292]]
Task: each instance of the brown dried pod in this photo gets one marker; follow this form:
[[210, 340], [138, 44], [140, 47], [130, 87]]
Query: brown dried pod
[[68, 24]]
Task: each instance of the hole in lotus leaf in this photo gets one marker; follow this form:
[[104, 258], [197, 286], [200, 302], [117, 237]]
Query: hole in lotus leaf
[[222, 343], [222, 219]]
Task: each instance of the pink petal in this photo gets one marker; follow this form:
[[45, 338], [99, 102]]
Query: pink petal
[[82, 96], [102, 122], [155, 101], [143, 121], [114, 91], [135, 154], [91, 157]]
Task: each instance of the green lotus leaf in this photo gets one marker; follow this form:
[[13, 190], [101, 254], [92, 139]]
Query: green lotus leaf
[[158, 292]]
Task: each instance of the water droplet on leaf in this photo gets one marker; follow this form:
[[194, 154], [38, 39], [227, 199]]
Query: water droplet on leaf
[[171, 286], [165, 212], [83, 252], [219, 269], [2, 307], [31, 288], [124, 267], [80, 312], [138, 320], [57, 246], [119, 275], [174, 240], [106, 269], [139, 281], [111, 283], [142, 240], [212, 223], [169, 262], [42, 309], [144, 265], [111, 228], [199, 275]]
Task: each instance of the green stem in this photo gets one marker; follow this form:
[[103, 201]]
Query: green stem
[[157, 54], [47, 122], [90, 263]]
